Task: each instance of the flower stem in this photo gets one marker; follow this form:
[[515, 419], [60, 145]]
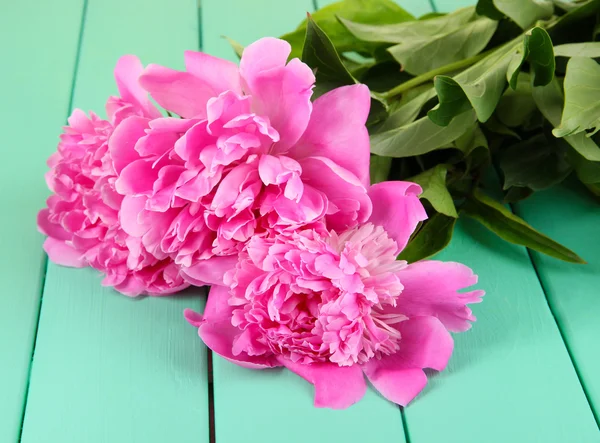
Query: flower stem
[[424, 78]]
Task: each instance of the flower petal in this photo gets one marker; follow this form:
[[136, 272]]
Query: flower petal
[[336, 387], [396, 207], [121, 143], [280, 92], [399, 377], [209, 272], [346, 194], [61, 253], [179, 92], [431, 288], [221, 75], [337, 130], [217, 332], [127, 73]]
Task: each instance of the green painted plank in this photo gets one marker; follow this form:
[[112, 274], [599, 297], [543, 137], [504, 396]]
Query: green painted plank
[[248, 20], [39, 48], [571, 216], [415, 7], [510, 378], [108, 368]]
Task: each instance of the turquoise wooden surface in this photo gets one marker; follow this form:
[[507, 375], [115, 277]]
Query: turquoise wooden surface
[[39, 46], [112, 369], [570, 216], [108, 368]]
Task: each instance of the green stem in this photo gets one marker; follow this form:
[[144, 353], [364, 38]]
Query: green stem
[[424, 78]]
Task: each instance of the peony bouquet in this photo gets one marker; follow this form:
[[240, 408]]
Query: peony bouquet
[[247, 182]]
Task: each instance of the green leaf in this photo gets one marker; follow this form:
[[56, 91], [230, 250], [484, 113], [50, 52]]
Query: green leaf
[[493, 125], [589, 49], [481, 85], [474, 147], [407, 113], [537, 163], [525, 12], [320, 54], [594, 188], [408, 31], [330, 72], [538, 51], [237, 48], [516, 105], [494, 216], [516, 194], [419, 56], [582, 98], [364, 11], [420, 137], [549, 100], [434, 236], [433, 182], [380, 168], [487, 8], [587, 171]]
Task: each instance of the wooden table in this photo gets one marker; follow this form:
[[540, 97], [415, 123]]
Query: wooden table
[[80, 363]]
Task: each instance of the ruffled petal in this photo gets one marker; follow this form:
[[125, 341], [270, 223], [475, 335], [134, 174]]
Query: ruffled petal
[[336, 387], [63, 254], [337, 130], [221, 75], [127, 74], [217, 332], [348, 199], [280, 92], [399, 377], [431, 288], [397, 208], [121, 143], [210, 271], [180, 92]]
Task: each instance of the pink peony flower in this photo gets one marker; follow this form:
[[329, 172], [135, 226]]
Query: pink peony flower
[[252, 156], [334, 307], [81, 220]]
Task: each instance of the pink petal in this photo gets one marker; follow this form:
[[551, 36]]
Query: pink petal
[[221, 75], [61, 253], [131, 207], [179, 92], [336, 387], [217, 332], [337, 130], [431, 288], [127, 73], [342, 188], [397, 208], [121, 143], [137, 178], [399, 377], [280, 92], [209, 272]]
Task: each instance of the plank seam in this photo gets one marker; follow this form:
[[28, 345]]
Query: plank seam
[[563, 336], [45, 257], [433, 6]]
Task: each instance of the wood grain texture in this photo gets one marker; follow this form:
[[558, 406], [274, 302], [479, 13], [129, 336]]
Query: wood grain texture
[[248, 20], [39, 48], [568, 214], [415, 7], [108, 368]]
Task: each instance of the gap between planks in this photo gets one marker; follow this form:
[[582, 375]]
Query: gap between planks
[[44, 266]]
